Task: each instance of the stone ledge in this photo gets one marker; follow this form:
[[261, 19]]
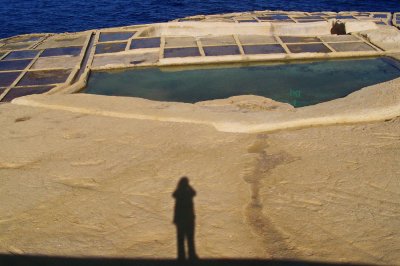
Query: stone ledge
[[373, 103]]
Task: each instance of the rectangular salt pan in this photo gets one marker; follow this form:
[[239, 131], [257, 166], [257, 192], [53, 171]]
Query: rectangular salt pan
[[308, 48], [110, 47], [380, 16], [14, 64], [180, 42], [145, 43], [7, 78], [274, 17], [221, 50], [24, 91], [16, 46], [25, 39], [247, 21], [339, 38], [263, 49], [44, 77], [181, 52], [256, 39], [23, 54], [351, 47], [296, 39], [115, 36], [219, 40], [62, 51]]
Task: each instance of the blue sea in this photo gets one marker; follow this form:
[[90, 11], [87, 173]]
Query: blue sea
[[34, 16]]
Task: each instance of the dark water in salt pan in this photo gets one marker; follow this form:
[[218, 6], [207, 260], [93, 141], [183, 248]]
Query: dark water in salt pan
[[299, 84]]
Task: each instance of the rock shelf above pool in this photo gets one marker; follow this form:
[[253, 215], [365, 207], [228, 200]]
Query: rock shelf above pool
[[61, 63]]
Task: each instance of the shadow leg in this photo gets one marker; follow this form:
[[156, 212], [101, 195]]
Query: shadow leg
[[180, 237], [190, 238]]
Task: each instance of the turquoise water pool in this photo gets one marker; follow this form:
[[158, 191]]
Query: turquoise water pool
[[300, 83]]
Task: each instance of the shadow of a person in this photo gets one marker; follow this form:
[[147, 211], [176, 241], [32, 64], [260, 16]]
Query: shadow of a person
[[184, 218]]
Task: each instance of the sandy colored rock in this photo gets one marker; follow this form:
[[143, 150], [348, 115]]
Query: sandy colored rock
[[89, 175], [357, 26], [386, 37], [88, 185], [247, 103]]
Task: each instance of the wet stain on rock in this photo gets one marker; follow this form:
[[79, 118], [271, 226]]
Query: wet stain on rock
[[22, 119], [276, 241]]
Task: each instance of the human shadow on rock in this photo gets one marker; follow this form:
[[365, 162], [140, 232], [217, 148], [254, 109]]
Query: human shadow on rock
[[184, 219]]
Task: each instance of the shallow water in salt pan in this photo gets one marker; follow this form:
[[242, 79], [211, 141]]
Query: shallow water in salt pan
[[299, 84]]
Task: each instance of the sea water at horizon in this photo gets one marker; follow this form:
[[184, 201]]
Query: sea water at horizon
[[55, 16]]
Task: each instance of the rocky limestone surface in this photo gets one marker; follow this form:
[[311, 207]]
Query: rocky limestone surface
[[386, 37], [79, 184], [246, 103], [85, 175]]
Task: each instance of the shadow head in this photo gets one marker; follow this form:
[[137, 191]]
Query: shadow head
[[183, 182]]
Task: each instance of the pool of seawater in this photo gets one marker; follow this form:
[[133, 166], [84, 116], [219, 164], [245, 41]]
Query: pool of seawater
[[300, 83]]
